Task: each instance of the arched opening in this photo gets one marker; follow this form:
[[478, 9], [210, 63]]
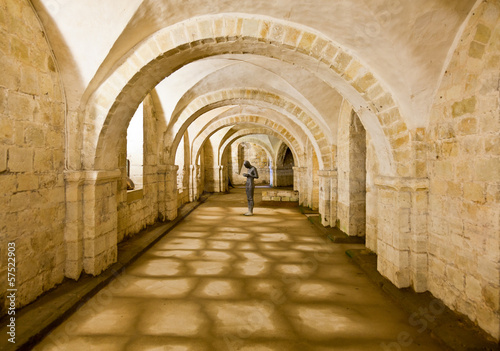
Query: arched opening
[[284, 167], [135, 150]]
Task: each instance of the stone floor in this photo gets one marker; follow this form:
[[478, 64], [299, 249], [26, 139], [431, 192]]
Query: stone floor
[[224, 281]]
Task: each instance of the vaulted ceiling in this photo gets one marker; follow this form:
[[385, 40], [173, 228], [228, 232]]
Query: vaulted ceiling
[[404, 44]]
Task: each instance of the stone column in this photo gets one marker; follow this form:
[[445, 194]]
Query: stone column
[[402, 231], [73, 231], [150, 192], [162, 182], [171, 192], [213, 179], [371, 218], [328, 197], [193, 183], [273, 176], [100, 220], [300, 183], [198, 184], [222, 183]]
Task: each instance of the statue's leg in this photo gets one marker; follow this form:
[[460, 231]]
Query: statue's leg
[[250, 201]]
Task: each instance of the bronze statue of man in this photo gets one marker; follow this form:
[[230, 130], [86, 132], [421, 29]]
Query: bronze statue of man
[[250, 185]]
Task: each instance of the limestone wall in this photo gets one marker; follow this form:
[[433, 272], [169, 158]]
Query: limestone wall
[[32, 197], [284, 176], [256, 155], [464, 169]]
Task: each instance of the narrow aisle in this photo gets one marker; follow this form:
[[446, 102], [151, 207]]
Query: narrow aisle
[[223, 281]]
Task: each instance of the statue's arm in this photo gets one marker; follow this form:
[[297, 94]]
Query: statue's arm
[[254, 173]]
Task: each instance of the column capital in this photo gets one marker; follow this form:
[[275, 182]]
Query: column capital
[[402, 183]]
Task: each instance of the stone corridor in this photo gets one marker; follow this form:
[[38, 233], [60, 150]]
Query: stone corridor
[[121, 115], [223, 281]]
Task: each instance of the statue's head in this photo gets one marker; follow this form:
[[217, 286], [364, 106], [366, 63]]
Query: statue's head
[[247, 164]]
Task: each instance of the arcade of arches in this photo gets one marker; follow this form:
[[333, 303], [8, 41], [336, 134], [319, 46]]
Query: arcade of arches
[[383, 115]]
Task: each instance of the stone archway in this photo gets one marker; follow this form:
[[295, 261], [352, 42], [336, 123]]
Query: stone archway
[[260, 128], [204, 103], [250, 146], [109, 106], [285, 161], [220, 173]]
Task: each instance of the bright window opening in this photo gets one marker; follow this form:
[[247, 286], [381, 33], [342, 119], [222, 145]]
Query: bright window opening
[[135, 148]]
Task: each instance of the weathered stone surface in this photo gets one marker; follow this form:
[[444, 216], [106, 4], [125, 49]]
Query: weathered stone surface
[[36, 207], [433, 218], [464, 106], [465, 167]]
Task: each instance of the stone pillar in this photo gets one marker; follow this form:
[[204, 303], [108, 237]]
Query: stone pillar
[[214, 178], [216, 182], [219, 183], [351, 152], [328, 197], [171, 192], [222, 180], [100, 220], [300, 183], [193, 182], [402, 231], [273, 176], [371, 218], [73, 231], [162, 184], [198, 183]]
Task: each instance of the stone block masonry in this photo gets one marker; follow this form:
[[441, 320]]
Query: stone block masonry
[[32, 187], [464, 168], [422, 182], [280, 195]]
